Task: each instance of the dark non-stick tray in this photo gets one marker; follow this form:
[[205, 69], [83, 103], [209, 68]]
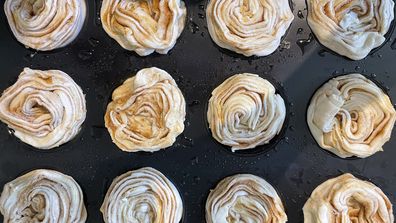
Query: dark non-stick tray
[[294, 164]]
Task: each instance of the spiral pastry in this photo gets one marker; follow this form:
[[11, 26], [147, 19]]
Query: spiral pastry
[[45, 24], [248, 27], [348, 199], [43, 196], [244, 198], [351, 116], [44, 108], [147, 112], [143, 195], [350, 28], [144, 26], [244, 112]]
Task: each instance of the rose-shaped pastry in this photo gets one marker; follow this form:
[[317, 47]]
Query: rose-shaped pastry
[[248, 27], [44, 108], [244, 198], [147, 112], [347, 199], [143, 195], [45, 24], [351, 116], [245, 112], [350, 28], [144, 26], [43, 196]]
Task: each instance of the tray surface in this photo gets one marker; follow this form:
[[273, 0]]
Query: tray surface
[[196, 162]]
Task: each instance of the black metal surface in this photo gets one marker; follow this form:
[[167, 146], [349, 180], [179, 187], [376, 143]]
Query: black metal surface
[[295, 165]]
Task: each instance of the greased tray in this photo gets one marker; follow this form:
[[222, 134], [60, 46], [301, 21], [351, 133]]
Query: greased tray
[[293, 163]]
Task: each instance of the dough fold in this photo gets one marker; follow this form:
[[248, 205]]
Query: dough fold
[[45, 24], [45, 109], [245, 112], [43, 196], [144, 26], [147, 112], [143, 195], [248, 27], [244, 198], [350, 28], [348, 199], [351, 116]]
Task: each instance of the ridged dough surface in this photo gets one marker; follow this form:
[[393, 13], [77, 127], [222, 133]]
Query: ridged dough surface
[[144, 26], [350, 28], [45, 24], [244, 198], [248, 27], [348, 199], [245, 111], [351, 116], [142, 196], [43, 196], [45, 109], [147, 112]]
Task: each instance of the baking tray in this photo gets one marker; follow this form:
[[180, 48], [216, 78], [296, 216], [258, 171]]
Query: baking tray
[[293, 163]]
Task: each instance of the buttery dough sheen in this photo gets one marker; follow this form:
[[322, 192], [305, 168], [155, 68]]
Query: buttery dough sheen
[[147, 112], [142, 196], [245, 112], [350, 28], [144, 26], [351, 116], [244, 198], [43, 196], [45, 109], [45, 24], [347, 199], [248, 27]]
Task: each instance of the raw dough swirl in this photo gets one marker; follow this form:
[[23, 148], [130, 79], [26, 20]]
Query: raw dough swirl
[[245, 112], [248, 27], [244, 198], [147, 112], [348, 199], [142, 196], [43, 196], [45, 24], [44, 108], [350, 28], [351, 116], [144, 26]]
